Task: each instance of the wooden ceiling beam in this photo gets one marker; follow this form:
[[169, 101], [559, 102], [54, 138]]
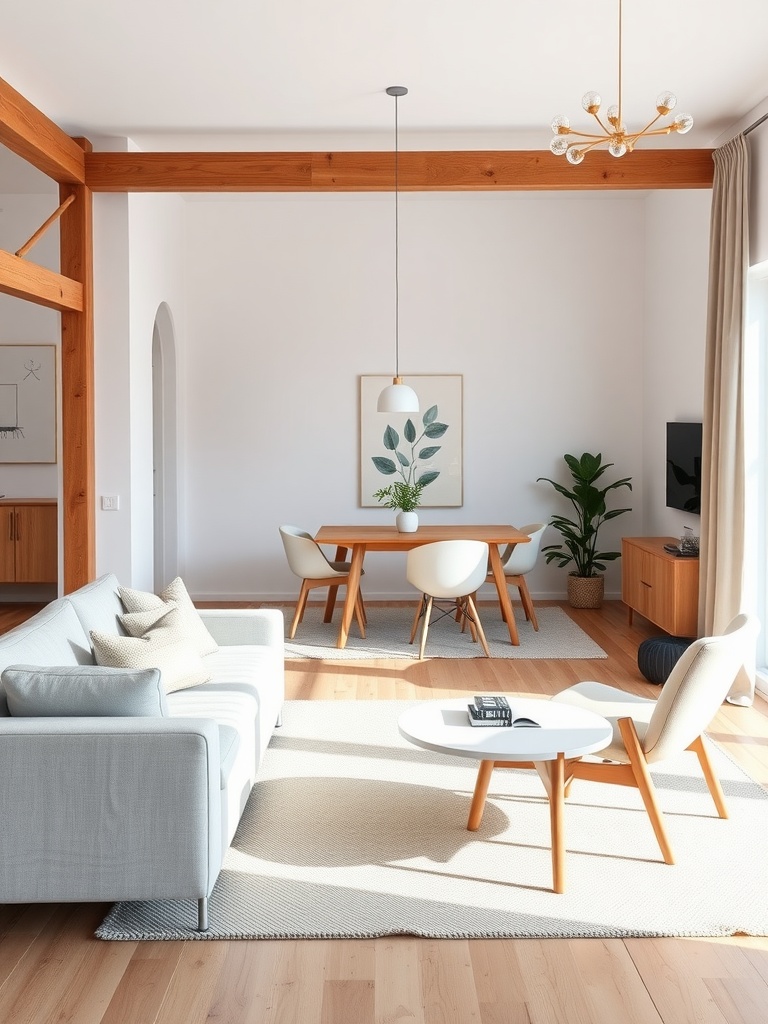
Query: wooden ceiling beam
[[26, 280], [442, 170], [31, 135]]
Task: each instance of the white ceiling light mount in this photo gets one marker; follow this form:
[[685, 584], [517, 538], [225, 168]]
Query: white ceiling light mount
[[614, 134], [397, 397]]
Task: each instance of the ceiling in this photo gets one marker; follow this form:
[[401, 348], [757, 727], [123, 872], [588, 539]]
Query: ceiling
[[485, 74]]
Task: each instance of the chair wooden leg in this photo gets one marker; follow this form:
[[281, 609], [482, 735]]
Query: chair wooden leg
[[525, 597], [300, 605], [644, 783], [419, 612], [360, 615], [713, 783], [478, 625], [427, 613], [330, 602]]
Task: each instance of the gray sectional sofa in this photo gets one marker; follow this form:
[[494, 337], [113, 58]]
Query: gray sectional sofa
[[126, 807]]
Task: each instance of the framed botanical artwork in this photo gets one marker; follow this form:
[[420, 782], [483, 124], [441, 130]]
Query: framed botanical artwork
[[414, 447], [27, 403]]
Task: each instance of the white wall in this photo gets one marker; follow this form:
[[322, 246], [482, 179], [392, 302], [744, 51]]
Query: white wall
[[138, 264], [538, 300], [676, 262]]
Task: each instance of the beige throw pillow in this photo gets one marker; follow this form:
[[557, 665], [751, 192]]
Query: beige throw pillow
[[160, 647], [175, 593]]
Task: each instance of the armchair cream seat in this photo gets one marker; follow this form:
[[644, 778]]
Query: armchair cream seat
[[307, 561], [448, 571], [517, 560], [649, 731]]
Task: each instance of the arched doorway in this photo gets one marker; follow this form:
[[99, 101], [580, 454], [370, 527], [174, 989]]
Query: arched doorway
[[164, 449]]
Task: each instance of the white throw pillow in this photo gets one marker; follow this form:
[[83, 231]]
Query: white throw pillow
[[175, 593], [160, 647]]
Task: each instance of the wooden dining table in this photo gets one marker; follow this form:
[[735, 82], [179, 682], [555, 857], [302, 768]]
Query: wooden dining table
[[360, 539]]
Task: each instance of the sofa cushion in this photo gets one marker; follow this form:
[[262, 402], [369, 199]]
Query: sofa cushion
[[176, 593], [98, 605], [83, 691], [229, 744], [53, 636], [180, 664]]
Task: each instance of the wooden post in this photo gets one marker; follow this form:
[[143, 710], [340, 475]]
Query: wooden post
[[77, 390]]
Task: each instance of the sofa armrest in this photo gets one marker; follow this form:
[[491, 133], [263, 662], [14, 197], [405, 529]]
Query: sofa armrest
[[96, 809], [229, 626]]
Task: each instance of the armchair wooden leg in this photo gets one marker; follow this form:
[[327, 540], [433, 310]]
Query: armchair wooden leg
[[713, 783], [300, 605], [644, 783]]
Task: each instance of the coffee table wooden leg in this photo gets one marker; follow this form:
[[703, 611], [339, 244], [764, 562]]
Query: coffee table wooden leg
[[477, 806], [552, 774], [556, 816]]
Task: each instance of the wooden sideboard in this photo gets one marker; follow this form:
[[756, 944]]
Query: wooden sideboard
[[660, 586], [28, 540]]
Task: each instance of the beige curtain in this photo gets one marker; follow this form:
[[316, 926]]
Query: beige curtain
[[722, 499]]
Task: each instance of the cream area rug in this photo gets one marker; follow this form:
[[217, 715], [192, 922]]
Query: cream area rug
[[389, 627], [353, 832]]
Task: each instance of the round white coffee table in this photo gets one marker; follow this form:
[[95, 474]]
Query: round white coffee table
[[565, 733]]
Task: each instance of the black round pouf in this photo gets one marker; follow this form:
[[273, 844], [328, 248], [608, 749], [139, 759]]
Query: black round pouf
[[658, 655]]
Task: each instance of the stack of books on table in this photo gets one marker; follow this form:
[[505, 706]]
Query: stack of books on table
[[491, 711]]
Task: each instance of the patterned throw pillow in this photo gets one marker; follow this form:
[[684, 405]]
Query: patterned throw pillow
[[175, 593], [164, 646]]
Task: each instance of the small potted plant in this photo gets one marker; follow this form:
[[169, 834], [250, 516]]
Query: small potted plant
[[406, 498], [579, 547]]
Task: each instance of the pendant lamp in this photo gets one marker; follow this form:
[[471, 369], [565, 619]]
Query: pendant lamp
[[397, 397]]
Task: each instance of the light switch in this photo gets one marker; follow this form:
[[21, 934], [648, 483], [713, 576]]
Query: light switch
[[110, 502]]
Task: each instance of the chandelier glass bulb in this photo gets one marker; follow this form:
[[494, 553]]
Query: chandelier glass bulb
[[612, 131]]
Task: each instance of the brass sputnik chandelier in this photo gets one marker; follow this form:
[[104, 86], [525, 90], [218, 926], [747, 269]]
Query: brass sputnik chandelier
[[614, 133]]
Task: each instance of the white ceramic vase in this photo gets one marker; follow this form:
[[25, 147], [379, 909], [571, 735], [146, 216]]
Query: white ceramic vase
[[407, 522]]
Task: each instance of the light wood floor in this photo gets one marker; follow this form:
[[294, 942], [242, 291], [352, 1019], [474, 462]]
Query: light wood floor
[[52, 969]]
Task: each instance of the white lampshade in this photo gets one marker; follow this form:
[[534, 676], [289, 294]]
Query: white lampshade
[[398, 397]]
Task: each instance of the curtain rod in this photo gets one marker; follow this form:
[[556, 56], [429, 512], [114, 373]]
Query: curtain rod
[[752, 127]]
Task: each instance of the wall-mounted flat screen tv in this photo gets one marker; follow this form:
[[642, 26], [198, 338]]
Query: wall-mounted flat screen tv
[[684, 466]]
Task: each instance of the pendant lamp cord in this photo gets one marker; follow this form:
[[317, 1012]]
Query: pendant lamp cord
[[397, 257]]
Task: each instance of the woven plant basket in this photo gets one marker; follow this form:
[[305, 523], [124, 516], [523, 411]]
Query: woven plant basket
[[585, 591]]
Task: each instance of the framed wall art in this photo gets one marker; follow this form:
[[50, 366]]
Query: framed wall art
[[27, 403], [413, 446]]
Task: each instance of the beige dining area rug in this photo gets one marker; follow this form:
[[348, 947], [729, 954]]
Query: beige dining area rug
[[351, 831], [388, 631]]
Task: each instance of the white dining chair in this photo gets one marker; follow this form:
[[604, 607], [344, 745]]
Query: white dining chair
[[646, 732], [517, 560], [307, 561], [448, 571]]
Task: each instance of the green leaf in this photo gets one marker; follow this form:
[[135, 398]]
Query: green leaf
[[427, 478], [403, 460], [391, 439], [385, 466], [429, 416], [435, 430], [409, 431], [427, 453]]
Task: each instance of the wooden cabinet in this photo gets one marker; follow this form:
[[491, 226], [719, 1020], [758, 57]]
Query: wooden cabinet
[[659, 586], [28, 541]]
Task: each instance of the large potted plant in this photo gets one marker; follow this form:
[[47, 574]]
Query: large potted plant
[[579, 548], [406, 498]]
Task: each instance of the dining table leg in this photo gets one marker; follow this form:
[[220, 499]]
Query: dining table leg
[[353, 588], [501, 586]]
